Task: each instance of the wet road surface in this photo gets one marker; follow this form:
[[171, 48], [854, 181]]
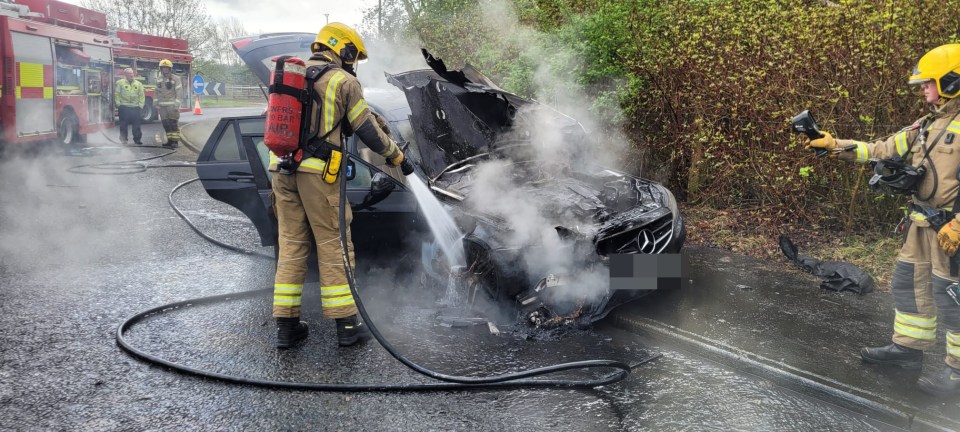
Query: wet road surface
[[80, 253]]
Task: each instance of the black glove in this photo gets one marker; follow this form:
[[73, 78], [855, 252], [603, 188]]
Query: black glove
[[169, 85]]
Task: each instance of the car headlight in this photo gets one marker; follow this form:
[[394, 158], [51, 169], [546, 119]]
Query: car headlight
[[669, 201]]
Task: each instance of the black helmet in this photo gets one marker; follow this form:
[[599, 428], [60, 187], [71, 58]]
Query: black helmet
[[893, 176]]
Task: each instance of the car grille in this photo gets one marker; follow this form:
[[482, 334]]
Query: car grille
[[650, 238]]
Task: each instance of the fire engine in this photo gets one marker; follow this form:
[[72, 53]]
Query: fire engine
[[58, 66], [56, 72], [143, 53]]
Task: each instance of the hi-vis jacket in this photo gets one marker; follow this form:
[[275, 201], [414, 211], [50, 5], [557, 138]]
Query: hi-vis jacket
[[943, 166], [129, 93], [168, 90], [343, 101]]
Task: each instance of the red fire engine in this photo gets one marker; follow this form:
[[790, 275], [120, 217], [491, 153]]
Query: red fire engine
[[143, 53], [56, 71], [58, 66]]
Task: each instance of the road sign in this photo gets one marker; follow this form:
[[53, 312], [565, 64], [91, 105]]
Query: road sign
[[198, 84], [214, 89]]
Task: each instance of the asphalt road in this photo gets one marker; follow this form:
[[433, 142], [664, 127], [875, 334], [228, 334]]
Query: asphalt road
[[80, 253]]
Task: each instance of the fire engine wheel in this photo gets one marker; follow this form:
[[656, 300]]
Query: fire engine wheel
[[148, 113], [69, 129]]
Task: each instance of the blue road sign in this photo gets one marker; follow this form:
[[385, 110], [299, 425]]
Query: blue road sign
[[198, 84]]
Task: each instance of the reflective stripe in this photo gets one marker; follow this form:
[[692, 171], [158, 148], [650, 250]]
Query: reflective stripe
[[953, 344], [329, 102], [914, 332], [288, 289], [915, 327], [335, 291], [901, 141], [954, 126], [861, 152], [953, 338], [357, 109], [916, 321], [313, 163], [337, 301], [335, 296], [288, 302]]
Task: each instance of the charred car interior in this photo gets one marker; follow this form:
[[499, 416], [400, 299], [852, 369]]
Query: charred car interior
[[538, 220]]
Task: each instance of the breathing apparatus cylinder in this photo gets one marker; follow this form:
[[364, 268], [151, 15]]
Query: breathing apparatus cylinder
[[285, 108]]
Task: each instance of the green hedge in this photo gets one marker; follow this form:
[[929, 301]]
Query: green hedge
[[706, 89]]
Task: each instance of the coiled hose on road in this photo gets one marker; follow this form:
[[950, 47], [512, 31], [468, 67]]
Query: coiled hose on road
[[450, 382]]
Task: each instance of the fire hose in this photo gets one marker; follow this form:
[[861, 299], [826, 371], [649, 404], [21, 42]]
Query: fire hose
[[449, 382]]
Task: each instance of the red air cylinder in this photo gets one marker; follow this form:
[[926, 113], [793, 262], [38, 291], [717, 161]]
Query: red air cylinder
[[284, 110]]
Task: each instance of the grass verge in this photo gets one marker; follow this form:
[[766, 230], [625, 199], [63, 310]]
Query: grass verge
[[745, 232]]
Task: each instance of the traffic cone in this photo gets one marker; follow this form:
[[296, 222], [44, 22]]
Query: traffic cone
[[196, 107]]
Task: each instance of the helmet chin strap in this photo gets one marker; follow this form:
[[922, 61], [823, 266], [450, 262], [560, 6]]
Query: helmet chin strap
[[351, 68]]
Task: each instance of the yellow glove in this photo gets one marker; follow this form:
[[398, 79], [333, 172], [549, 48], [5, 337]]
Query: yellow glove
[[396, 160], [827, 143], [949, 237]]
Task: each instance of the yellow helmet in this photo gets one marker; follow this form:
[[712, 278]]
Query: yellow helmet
[[343, 40], [166, 63], [942, 66]]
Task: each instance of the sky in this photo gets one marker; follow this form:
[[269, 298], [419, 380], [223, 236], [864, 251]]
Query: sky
[[259, 16], [266, 16]]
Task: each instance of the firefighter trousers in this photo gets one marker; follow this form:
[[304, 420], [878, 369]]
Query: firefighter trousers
[[920, 278], [170, 118], [306, 204]]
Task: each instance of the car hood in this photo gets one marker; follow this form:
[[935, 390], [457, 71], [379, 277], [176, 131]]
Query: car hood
[[458, 114]]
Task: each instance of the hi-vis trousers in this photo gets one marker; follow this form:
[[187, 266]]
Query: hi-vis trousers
[[919, 285], [305, 203]]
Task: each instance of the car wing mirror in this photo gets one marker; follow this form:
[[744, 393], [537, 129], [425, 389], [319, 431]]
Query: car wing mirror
[[381, 185]]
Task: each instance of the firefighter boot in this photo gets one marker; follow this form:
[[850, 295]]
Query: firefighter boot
[[893, 354], [350, 331], [944, 382], [290, 331]]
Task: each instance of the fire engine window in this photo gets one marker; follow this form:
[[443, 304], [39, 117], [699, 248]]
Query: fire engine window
[[149, 71], [228, 149], [68, 77]]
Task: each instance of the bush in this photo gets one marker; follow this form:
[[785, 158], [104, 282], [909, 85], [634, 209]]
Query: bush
[[706, 88]]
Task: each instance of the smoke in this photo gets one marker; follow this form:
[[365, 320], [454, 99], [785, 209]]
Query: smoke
[[552, 67], [386, 57], [51, 219]]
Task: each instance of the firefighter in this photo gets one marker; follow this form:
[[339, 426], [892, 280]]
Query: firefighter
[[923, 269], [306, 203], [129, 99], [168, 103]]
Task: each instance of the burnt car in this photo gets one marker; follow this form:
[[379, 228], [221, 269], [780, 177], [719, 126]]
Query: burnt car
[[536, 221]]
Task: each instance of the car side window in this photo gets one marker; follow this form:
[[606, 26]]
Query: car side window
[[228, 149], [252, 126]]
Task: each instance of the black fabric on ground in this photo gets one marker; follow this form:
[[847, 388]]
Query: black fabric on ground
[[838, 275]]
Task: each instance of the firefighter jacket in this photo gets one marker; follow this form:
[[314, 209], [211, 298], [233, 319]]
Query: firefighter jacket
[[940, 133], [129, 93], [168, 90], [343, 105]]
